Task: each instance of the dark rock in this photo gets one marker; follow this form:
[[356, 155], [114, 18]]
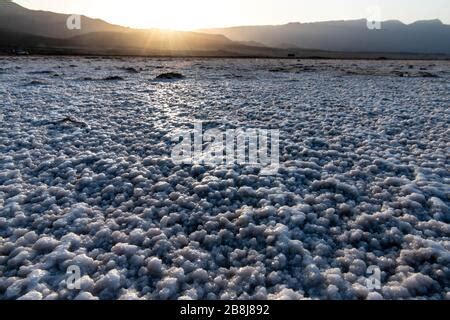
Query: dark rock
[[113, 78], [170, 76], [424, 74], [131, 70]]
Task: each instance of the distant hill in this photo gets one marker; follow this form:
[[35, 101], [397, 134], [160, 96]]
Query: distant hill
[[348, 36], [47, 24], [153, 38]]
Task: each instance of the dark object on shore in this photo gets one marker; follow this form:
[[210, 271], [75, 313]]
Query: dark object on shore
[[170, 76], [20, 52], [43, 72], [69, 120], [421, 74], [131, 70], [425, 74], [37, 83], [277, 69], [401, 74], [113, 78]]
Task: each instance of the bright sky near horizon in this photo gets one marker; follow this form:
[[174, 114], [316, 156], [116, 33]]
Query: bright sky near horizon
[[193, 14]]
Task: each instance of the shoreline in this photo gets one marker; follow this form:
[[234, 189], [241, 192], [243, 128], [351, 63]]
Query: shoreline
[[358, 57], [225, 53]]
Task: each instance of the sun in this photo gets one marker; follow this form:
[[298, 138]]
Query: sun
[[167, 14]]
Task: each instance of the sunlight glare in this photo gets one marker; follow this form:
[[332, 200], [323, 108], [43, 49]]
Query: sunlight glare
[[168, 14]]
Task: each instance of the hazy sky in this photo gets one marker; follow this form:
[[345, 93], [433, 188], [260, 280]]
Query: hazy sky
[[192, 14]]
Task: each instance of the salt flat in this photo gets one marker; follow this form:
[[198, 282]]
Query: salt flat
[[86, 179]]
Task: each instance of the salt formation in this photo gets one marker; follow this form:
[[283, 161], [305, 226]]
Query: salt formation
[[363, 181]]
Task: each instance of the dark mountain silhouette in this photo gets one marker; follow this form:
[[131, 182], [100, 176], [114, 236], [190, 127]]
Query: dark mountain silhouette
[[152, 39], [348, 36], [47, 24]]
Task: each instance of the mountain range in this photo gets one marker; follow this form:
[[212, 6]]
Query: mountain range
[[349, 36], [46, 32]]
